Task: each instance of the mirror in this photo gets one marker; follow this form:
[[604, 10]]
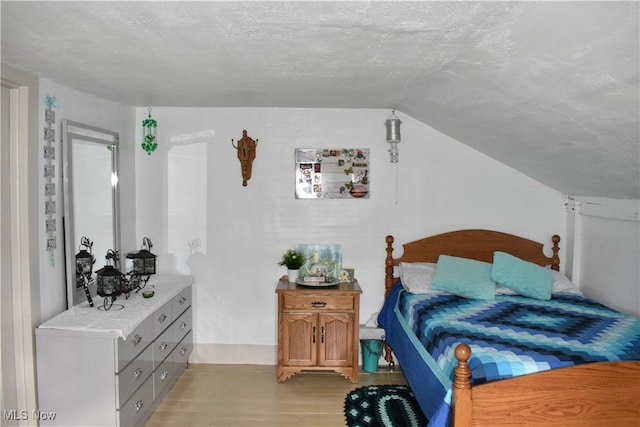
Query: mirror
[[91, 201]]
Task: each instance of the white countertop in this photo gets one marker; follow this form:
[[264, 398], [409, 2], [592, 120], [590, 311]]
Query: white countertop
[[121, 322]]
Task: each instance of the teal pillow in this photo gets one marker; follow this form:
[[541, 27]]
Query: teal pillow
[[467, 278], [526, 278]]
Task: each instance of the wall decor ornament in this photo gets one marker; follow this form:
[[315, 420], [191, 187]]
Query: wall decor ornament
[[341, 173], [149, 126], [49, 155], [246, 149]]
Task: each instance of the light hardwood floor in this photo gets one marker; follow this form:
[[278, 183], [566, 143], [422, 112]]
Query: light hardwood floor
[[248, 395]]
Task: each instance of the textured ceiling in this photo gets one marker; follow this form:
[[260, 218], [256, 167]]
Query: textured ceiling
[[549, 88]]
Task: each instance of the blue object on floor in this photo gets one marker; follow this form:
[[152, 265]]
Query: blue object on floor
[[371, 352]]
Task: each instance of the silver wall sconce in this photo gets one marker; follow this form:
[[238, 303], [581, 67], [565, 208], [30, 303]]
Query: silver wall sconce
[[393, 135]]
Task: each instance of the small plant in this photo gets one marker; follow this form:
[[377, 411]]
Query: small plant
[[293, 259]]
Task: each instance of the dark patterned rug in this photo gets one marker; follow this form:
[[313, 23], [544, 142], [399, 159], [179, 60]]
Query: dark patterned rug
[[383, 406]]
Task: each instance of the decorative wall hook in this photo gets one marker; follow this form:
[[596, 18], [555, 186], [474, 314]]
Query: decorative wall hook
[[246, 153]]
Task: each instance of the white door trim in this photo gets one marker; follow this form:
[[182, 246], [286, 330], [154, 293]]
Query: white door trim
[[23, 332]]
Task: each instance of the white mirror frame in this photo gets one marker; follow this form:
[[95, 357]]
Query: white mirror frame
[[74, 131]]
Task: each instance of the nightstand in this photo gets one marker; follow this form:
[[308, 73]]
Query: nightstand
[[318, 329]]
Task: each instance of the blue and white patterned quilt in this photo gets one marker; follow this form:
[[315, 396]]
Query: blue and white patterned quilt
[[510, 336]]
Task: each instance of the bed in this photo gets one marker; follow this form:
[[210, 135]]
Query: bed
[[514, 358]]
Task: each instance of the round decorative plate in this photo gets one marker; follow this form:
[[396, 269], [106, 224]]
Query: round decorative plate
[[332, 282]]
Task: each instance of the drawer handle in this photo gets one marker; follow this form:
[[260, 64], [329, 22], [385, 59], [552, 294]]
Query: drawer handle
[[137, 339], [183, 351], [319, 304], [183, 325], [138, 373], [139, 404], [163, 375], [163, 346], [162, 318], [182, 300]]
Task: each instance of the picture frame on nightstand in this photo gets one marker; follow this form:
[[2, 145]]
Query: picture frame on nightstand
[[346, 275]]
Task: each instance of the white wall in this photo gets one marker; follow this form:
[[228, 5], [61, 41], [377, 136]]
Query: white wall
[[190, 190], [607, 266], [87, 109]]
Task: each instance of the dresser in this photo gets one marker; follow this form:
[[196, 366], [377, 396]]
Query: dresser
[[318, 329], [111, 368]]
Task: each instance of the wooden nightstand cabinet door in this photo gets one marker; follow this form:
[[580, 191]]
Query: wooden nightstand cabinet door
[[300, 339], [336, 339]]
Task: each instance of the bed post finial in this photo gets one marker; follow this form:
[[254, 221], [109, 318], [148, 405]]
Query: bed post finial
[[461, 400], [555, 264], [462, 372]]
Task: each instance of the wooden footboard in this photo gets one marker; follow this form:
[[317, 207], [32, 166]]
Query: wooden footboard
[[591, 394]]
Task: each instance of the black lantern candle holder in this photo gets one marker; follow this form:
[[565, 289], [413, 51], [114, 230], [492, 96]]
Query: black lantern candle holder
[[109, 280], [141, 264], [84, 267]]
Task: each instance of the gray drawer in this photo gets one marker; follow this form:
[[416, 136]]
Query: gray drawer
[[162, 318], [162, 347], [182, 325], [132, 377], [137, 341], [137, 409], [183, 350], [164, 377], [181, 302]]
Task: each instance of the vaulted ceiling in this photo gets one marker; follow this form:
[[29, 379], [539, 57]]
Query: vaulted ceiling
[[548, 88]]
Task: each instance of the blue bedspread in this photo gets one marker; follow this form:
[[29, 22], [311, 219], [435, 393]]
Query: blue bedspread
[[510, 336]]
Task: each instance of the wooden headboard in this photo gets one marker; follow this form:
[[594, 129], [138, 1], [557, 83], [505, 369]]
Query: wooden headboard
[[475, 244]]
